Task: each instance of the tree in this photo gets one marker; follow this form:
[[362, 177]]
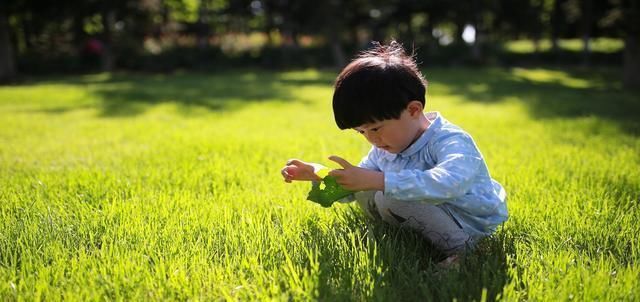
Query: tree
[[585, 29], [7, 65], [556, 20], [631, 69]]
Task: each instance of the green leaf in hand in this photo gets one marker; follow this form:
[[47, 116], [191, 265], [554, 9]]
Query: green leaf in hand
[[327, 191]]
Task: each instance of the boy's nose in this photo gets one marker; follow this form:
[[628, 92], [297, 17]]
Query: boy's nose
[[372, 138]]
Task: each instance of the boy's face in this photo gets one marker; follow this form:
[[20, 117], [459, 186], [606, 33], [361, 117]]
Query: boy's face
[[393, 135]]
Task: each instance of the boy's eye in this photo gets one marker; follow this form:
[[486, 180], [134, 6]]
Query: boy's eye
[[374, 129]]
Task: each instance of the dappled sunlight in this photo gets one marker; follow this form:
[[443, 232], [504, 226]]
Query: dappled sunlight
[[478, 88], [127, 95], [215, 92], [605, 45], [554, 77], [545, 93], [308, 74]]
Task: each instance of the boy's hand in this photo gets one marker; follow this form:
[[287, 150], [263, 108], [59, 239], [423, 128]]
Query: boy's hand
[[299, 170], [355, 178]]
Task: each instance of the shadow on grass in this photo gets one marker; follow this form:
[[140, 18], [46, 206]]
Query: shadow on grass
[[123, 95], [547, 93], [403, 266], [551, 93]]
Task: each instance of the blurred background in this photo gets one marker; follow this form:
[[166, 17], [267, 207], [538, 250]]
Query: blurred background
[[80, 36]]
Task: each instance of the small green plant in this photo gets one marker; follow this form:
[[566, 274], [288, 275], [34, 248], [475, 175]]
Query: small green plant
[[327, 191]]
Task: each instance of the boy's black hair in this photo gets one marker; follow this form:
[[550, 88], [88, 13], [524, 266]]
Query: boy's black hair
[[377, 85]]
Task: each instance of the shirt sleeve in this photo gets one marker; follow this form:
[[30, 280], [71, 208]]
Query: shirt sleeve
[[369, 161], [458, 162]]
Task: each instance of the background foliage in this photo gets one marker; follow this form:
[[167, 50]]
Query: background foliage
[[166, 35]]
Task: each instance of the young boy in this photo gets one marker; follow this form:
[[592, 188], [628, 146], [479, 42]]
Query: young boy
[[422, 172]]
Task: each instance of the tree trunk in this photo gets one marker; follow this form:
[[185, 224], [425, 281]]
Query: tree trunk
[[460, 24], [587, 20], [79, 35], [631, 68], [411, 35], [7, 64], [556, 23], [202, 26], [108, 21], [432, 42], [536, 26], [268, 23], [476, 48], [336, 49], [26, 24], [332, 32]]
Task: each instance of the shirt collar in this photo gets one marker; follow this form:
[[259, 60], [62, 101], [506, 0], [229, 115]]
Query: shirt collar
[[435, 121]]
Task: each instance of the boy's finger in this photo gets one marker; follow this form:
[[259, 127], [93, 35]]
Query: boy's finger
[[342, 162], [294, 162], [336, 173]]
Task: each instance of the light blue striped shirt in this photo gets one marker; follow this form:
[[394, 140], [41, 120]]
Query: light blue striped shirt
[[444, 167]]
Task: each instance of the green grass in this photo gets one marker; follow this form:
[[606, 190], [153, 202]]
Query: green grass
[[135, 187], [602, 45]]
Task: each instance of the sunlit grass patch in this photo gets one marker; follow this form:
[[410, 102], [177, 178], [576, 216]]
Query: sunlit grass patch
[[604, 45], [135, 187]]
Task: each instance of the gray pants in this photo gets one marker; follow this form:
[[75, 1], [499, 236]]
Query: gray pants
[[434, 223]]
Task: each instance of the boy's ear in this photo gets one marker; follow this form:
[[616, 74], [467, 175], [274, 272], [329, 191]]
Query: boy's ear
[[414, 108]]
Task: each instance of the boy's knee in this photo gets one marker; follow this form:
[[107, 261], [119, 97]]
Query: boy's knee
[[366, 201], [390, 211], [377, 207], [433, 222]]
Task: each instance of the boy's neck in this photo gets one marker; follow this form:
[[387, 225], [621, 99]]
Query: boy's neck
[[424, 124]]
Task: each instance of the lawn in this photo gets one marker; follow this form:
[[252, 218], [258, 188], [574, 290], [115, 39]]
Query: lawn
[[137, 187]]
